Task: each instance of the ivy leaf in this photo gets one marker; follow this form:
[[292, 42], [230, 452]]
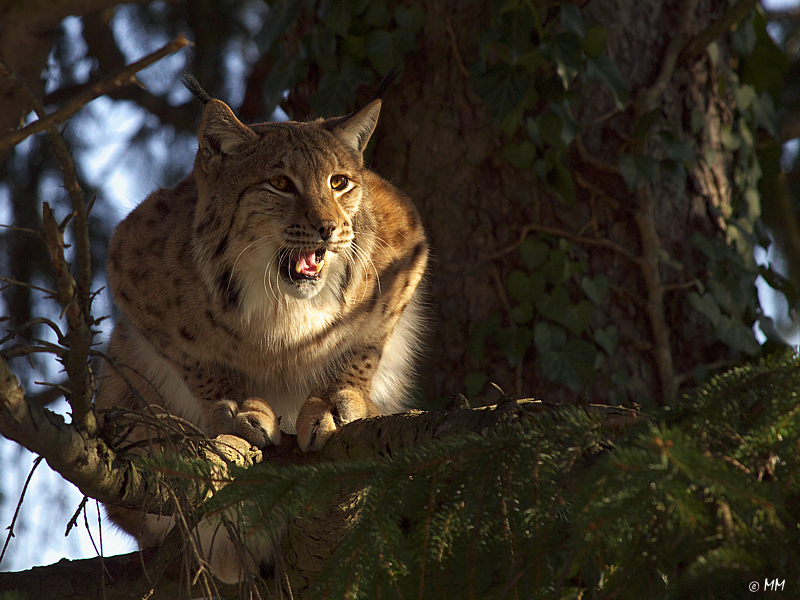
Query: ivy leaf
[[566, 49], [474, 382], [595, 288], [607, 338], [480, 332], [603, 70], [516, 31], [595, 42], [764, 112], [281, 17], [323, 48], [337, 18], [744, 38], [514, 343], [579, 316], [572, 20], [525, 288], [284, 75], [521, 155], [522, 313], [548, 128], [386, 49], [572, 365], [532, 127], [765, 68], [638, 170], [744, 95], [517, 285], [732, 332], [377, 14], [355, 47], [553, 306], [533, 253], [411, 18], [569, 126], [560, 179], [679, 150], [337, 88], [502, 88], [548, 336], [555, 269], [675, 173]]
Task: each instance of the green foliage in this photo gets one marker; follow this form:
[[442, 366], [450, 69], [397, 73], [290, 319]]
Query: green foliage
[[554, 304], [524, 76], [702, 496], [350, 41], [728, 300], [529, 64]]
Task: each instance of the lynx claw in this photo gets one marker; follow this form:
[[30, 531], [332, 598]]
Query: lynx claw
[[252, 420], [319, 419]]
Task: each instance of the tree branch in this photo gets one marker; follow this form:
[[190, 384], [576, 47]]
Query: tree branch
[[106, 85], [734, 14], [95, 468], [312, 539], [649, 262]]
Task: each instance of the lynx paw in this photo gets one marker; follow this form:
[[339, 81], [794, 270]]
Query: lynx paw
[[319, 419], [252, 420]]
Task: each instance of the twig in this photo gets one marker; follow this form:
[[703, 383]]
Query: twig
[[595, 190], [454, 46], [75, 298], [662, 352], [19, 505], [684, 285], [654, 93], [603, 243], [11, 281], [45, 348], [592, 160], [73, 522], [734, 14], [124, 76]]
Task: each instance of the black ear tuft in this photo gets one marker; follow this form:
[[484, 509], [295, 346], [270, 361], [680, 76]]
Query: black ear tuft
[[194, 86], [387, 81]]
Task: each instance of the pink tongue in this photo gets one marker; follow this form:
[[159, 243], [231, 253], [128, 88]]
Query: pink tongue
[[306, 261]]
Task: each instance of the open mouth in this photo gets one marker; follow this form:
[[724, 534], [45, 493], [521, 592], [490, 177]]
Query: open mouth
[[302, 265]]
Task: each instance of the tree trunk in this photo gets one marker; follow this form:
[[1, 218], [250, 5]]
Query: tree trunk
[[437, 142]]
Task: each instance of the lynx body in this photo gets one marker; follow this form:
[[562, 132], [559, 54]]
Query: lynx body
[[275, 287]]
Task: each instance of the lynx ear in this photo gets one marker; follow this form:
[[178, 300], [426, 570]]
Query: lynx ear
[[221, 134], [356, 129]]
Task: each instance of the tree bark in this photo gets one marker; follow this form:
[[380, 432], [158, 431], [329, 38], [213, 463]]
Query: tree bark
[[437, 142]]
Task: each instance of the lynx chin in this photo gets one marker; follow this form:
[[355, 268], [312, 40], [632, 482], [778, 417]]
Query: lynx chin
[[275, 288]]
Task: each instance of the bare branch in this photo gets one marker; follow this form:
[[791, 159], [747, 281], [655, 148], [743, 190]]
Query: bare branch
[[89, 463], [125, 76], [734, 14], [655, 92], [662, 351]]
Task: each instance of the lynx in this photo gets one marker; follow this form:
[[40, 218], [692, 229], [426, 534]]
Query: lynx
[[275, 288]]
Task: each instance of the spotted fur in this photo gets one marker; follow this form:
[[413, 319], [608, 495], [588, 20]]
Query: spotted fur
[[223, 321]]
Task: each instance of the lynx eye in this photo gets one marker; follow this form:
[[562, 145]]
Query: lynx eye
[[339, 182], [281, 183]]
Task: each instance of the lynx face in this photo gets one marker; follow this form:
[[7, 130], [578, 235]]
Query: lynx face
[[291, 217], [300, 218]]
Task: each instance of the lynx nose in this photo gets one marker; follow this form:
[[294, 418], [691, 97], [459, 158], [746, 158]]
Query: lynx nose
[[325, 229]]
